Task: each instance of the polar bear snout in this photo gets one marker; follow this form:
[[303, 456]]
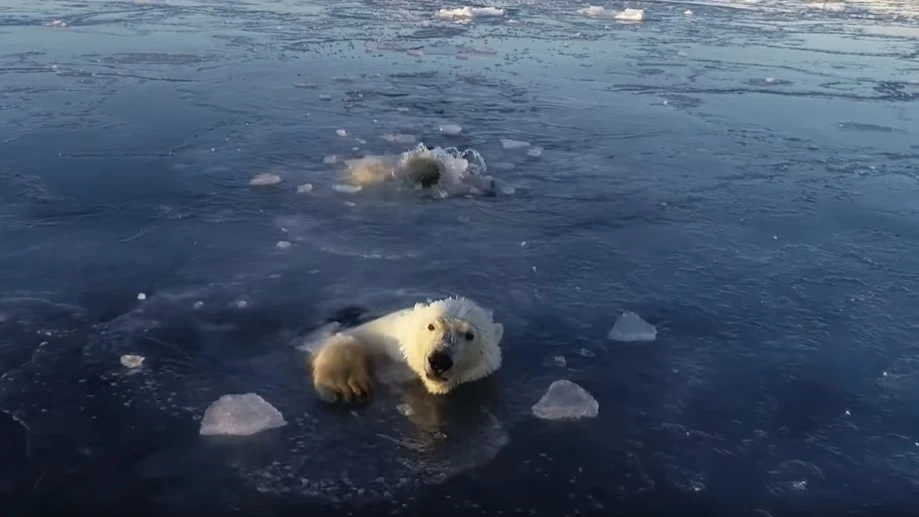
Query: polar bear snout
[[439, 363]]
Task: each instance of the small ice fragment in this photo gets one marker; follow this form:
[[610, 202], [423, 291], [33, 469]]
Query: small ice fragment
[[451, 129], [560, 361], [508, 190], [305, 85], [468, 13], [56, 23], [510, 144], [283, 245], [770, 79], [596, 11], [398, 138], [405, 409], [630, 327], [265, 179], [631, 15], [584, 352], [687, 12], [341, 132], [350, 204], [324, 97], [141, 296], [347, 189], [242, 304], [534, 151], [565, 400], [198, 305], [415, 53], [132, 361], [303, 189], [240, 415]]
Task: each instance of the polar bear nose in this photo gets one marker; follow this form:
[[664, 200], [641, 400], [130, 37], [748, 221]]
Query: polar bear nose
[[440, 362]]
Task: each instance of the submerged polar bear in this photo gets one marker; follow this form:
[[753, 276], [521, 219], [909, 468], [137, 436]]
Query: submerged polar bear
[[448, 171], [445, 343]]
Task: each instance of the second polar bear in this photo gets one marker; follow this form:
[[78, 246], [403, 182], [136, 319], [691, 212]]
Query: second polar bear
[[445, 343]]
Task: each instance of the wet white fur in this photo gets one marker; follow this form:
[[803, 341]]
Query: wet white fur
[[402, 337]]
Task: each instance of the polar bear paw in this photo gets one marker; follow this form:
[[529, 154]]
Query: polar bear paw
[[341, 370]]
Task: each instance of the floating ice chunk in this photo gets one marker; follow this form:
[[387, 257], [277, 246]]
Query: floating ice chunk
[[265, 179], [283, 245], [630, 327], [687, 12], [451, 129], [468, 13], [511, 145], [560, 361], [631, 15], [565, 400], [596, 11], [198, 305], [399, 138], [347, 189], [534, 151], [303, 189], [141, 296], [415, 52], [240, 415], [325, 97], [628, 15], [341, 132], [241, 304], [56, 23], [132, 361]]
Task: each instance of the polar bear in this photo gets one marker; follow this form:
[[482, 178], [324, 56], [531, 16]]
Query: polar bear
[[423, 169], [445, 343]]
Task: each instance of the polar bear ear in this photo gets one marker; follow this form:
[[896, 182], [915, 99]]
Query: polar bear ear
[[497, 330]]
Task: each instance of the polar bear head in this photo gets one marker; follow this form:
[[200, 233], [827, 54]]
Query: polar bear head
[[450, 342]]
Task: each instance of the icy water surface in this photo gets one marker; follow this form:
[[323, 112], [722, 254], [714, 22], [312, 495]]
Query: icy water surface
[[739, 175]]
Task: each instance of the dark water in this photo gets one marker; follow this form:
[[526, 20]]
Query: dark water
[[744, 178]]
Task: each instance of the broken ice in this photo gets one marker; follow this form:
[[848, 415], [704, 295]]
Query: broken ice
[[468, 13], [132, 361], [565, 400], [510, 144], [265, 179], [630, 327], [451, 129], [240, 415]]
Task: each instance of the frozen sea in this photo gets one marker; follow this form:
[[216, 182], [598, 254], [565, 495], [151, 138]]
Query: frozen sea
[[741, 176]]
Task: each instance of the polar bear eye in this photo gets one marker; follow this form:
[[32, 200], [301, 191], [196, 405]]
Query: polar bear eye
[[430, 326], [469, 336]]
